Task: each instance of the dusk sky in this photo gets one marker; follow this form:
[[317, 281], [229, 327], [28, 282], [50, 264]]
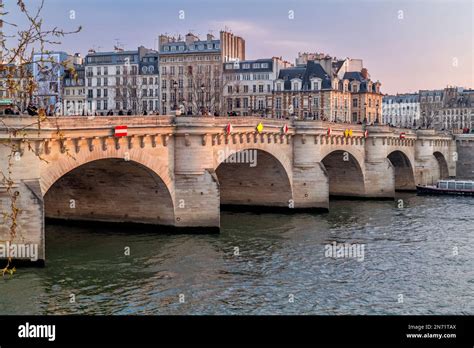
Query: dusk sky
[[429, 48]]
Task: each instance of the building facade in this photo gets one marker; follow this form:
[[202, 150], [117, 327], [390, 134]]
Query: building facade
[[401, 110], [323, 87], [48, 71], [74, 91], [191, 71], [115, 81], [431, 103], [457, 110], [248, 85], [16, 87]]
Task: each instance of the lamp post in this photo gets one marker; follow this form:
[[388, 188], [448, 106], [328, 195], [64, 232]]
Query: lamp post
[[377, 113], [365, 114], [175, 89], [202, 98]]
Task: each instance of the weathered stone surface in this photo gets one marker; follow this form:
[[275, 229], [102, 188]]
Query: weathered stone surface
[[176, 171]]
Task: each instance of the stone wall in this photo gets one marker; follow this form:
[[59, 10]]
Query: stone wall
[[111, 190], [465, 162]]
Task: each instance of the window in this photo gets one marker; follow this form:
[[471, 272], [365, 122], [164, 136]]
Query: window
[[105, 105], [354, 103], [106, 70], [229, 89], [295, 103], [295, 86], [254, 89], [278, 86], [246, 89], [260, 89], [246, 66], [105, 92], [98, 93], [278, 103], [245, 103]]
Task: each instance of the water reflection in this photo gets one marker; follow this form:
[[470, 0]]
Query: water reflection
[[408, 251]]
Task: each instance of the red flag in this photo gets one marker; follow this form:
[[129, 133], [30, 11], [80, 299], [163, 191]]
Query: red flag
[[121, 131], [402, 135], [228, 128], [285, 128], [366, 133], [329, 131]]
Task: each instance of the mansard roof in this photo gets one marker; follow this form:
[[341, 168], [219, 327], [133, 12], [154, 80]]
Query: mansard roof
[[305, 73]]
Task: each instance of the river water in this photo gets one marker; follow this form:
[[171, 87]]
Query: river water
[[418, 259]]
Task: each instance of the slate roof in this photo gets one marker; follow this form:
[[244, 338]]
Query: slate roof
[[305, 73], [353, 75]]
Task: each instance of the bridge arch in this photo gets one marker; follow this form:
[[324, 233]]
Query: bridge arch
[[404, 173], [442, 165], [345, 173], [253, 177], [107, 189]]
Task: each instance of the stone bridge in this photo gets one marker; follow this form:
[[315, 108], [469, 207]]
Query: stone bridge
[[178, 171]]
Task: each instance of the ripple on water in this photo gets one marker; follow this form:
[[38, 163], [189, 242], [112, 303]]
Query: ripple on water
[[424, 251]]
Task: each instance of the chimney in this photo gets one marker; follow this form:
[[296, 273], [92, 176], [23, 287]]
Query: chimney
[[365, 73], [210, 37], [190, 38]]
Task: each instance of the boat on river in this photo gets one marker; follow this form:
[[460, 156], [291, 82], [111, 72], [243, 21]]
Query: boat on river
[[448, 187]]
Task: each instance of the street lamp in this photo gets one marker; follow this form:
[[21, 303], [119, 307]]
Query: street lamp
[[376, 113], [365, 114], [202, 98], [175, 88]]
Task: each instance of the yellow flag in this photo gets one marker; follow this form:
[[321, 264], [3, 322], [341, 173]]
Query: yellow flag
[[260, 127]]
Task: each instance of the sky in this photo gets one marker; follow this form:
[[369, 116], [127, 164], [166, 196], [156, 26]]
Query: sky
[[405, 44]]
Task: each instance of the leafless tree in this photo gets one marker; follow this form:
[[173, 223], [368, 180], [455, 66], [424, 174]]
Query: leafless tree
[[17, 49]]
